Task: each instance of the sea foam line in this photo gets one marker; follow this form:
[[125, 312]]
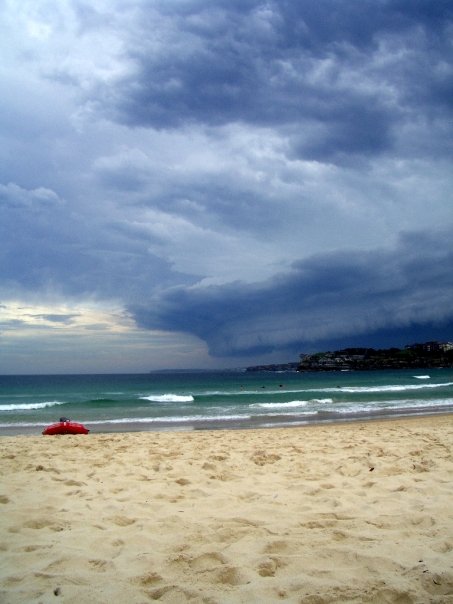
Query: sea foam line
[[287, 405], [30, 406], [290, 404], [392, 404], [349, 389], [170, 420], [168, 398], [390, 388]]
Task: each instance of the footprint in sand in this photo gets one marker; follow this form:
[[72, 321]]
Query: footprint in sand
[[229, 575], [41, 468], [213, 567], [222, 476], [148, 579], [261, 458], [34, 548], [208, 466], [423, 521], [443, 548], [438, 584], [74, 483], [182, 481], [424, 466], [173, 593], [122, 520], [208, 561], [100, 565], [277, 547], [42, 523], [268, 567]]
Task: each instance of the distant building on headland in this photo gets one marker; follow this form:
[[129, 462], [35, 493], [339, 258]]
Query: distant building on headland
[[431, 347], [425, 355]]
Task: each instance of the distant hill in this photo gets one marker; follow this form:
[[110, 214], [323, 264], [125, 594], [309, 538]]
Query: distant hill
[[425, 355]]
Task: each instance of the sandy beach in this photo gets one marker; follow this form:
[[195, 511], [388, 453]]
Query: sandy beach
[[359, 512]]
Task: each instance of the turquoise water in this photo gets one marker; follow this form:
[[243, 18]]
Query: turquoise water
[[213, 400]]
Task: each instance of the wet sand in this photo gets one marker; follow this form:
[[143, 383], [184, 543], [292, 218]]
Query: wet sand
[[359, 512]]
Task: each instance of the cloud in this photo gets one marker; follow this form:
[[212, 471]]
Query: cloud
[[251, 173], [343, 78], [94, 338], [324, 297], [57, 318], [13, 195]]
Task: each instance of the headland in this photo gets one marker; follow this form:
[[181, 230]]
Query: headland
[[414, 356]]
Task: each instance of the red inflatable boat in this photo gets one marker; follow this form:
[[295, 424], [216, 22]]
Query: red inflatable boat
[[65, 426]]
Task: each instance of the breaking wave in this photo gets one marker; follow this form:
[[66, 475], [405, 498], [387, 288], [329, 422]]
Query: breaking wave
[[168, 398], [291, 404], [30, 406], [390, 388]]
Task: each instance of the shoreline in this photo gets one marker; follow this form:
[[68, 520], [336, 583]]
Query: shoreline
[[248, 423], [339, 512]]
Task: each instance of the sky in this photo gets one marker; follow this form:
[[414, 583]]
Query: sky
[[222, 183]]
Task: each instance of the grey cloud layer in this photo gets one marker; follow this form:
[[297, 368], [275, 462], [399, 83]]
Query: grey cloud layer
[[324, 297], [258, 174], [341, 80]]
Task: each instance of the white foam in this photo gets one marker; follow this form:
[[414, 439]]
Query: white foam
[[24, 424], [291, 404], [168, 398], [422, 377], [391, 388], [401, 404], [280, 405], [287, 414], [171, 420], [384, 388], [29, 406], [322, 401]]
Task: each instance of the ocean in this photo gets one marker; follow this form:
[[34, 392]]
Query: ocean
[[217, 400]]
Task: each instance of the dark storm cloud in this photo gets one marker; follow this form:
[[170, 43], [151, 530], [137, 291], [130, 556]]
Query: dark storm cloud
[[324, 297], [238, 170], [44, 246], [65, 319], [339, 76]]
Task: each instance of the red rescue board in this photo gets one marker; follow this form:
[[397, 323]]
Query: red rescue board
[[65, 428]]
